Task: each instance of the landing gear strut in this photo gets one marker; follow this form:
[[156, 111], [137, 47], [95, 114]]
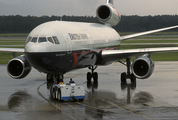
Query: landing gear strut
[[92, 74], [127, 75], [52, 78]]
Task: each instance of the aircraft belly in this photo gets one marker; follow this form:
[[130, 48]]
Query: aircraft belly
[[53, 62], [61, 62]]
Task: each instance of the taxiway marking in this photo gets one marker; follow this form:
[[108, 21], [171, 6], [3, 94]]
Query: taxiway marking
[[118, 106], [72, 117]]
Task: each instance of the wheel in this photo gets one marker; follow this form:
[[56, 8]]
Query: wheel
[[95, 84], [59, 94], [54, 94], [51, 92], [89, 84], [123, 77], [133, 85], [49, 78], [89, 76], [95, 76], [123, 86], [132, 78]]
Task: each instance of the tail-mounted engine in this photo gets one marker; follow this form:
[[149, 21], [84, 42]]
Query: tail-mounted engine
[[108, 15], [142, 67], [19, 67]]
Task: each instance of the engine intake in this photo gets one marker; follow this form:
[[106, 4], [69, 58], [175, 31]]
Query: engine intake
[[108, 15], [143, 67], [19, 67]]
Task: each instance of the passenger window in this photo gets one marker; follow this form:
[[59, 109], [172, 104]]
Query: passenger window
[[50, 39], [34, 39], [56, 40], [42, 39], [28, 39]]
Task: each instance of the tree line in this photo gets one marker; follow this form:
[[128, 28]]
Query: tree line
[[24, 24]]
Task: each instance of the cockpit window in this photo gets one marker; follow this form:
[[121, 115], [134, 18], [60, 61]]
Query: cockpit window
[[28, 39], [50, 39], [55, 40], [34, 39], [42, 39]]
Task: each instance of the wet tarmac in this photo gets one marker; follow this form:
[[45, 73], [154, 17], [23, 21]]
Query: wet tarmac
[[154, 98]]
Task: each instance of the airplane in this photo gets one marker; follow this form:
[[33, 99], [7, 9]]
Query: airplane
[[57, 47]]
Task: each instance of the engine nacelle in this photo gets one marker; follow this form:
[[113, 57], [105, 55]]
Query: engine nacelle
[[108, 15], [19, 67], [142, 67]]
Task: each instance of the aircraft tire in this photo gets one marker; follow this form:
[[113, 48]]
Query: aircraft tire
[[89, 76], [95, 76], [132, 78], [49, 78], [59, 94], [53, 94], [123, 77]]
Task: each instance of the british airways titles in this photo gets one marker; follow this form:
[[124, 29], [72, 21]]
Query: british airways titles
[[78, 36]]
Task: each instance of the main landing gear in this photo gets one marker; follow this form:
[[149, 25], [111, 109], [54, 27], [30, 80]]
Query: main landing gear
[[92, 74], [128, 75], [52, 78]]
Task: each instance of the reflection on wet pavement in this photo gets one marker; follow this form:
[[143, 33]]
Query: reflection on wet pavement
[[142, 98], [17, 99], [106, 99]]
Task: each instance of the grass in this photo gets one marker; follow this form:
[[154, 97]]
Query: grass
[[173, 56], [14, 35], [5, 57], [12, 43], [150, 41], [158, 33]]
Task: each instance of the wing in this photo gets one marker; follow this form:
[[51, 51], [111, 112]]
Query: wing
[[146, 33], [12, 50], [113, 55]]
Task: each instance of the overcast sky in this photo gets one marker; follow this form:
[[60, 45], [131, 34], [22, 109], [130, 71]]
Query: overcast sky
[[86, 7]]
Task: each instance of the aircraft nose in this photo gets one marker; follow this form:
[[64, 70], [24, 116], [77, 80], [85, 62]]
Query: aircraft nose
[[37, 48], [40, 48]]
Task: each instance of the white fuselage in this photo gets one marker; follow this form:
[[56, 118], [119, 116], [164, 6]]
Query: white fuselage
[[73, 36], [76, 40]]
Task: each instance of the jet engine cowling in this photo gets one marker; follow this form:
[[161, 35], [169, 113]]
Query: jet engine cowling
[[19, 67], [142, 67], [108, 15]]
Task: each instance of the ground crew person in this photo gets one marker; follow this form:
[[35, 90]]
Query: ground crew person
[[71, 81]]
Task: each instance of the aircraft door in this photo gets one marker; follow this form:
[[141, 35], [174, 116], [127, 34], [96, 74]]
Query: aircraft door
[[68, 43]]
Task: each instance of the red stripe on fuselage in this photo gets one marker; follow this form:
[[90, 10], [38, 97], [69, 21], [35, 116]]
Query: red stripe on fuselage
[[76, 54]]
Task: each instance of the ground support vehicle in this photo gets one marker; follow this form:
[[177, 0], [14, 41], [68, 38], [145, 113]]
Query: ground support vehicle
[[67, 92]]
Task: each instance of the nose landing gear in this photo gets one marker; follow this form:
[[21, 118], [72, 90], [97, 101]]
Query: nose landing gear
[[55, 78], [92, 74]]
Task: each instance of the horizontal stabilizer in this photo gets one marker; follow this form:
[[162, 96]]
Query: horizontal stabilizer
[[146, 33]]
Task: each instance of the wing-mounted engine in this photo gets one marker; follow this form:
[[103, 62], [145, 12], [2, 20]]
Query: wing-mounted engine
[[19, 67], [142, 67], [107, 14]]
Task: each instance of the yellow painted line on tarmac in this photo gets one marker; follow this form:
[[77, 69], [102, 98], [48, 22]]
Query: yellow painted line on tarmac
[[118, 106], [72, 117], [87, 105]]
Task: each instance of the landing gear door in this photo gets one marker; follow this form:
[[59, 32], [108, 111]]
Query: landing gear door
[[68, 43]]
